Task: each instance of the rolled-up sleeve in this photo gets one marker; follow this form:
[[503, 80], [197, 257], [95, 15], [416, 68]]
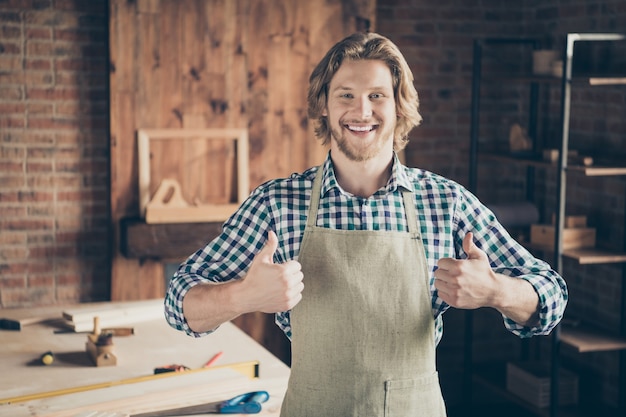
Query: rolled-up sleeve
[[225, 258], [510, 258]]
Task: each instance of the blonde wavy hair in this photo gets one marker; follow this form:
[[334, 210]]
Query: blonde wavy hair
[[359, 46]]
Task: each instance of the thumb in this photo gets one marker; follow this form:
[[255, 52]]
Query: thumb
[[470, 248], [267, 253]]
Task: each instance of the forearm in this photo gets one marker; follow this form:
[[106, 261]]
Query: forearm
[[516, 299], [206, 306]]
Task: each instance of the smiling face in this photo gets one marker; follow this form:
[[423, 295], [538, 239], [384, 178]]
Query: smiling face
[[361, 110]]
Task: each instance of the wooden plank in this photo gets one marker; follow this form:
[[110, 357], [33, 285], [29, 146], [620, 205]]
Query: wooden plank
[[277, 152], [607, 81], [148, 93], [586, 340], [296, 120], [129, 279], [258, 35], [17, 319], [110, 315], [170, 49], [594, 256], [165, 241]]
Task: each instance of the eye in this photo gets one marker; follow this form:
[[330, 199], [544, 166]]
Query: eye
[[346, 95], [376, 95]]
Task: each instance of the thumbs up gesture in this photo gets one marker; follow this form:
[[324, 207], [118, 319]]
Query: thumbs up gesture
[[270, 287], [467, 283]]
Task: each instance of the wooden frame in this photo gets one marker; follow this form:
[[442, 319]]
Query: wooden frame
[[156, 210]]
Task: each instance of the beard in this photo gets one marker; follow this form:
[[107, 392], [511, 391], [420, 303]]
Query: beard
[[360, 151]]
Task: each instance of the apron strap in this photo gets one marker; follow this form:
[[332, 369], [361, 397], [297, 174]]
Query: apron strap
[[410, 211], [311, 219]]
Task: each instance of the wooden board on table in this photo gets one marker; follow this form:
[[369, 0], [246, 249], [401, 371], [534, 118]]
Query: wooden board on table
[[16, 319], [80, 318]]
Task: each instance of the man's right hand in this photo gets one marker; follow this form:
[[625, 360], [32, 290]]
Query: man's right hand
[[269, 287]]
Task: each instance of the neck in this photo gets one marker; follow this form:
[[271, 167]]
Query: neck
[[362, 178]]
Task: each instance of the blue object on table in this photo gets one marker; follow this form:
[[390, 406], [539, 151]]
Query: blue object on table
[[249, 403]]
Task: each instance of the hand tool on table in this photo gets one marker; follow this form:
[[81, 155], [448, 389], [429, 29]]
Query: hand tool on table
[[249, 403]]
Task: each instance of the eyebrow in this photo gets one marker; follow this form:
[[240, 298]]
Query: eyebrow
[[345, 88]]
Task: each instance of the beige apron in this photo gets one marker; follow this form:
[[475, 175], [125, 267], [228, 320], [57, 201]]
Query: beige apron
[[363, 337]]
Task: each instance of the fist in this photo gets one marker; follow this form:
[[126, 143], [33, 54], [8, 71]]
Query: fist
[[271, 287], [466, 283]]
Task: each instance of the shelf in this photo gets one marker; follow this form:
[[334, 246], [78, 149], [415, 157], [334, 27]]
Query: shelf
[[488, 151], [584, 256], [175, 241], [598, 171], [594, 256], [493, 377], [591, 80], [585, 340], [590, 171]]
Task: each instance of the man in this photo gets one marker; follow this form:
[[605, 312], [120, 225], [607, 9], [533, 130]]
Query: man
[[360, 257]]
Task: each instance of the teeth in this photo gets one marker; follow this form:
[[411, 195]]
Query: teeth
[[360, 128]]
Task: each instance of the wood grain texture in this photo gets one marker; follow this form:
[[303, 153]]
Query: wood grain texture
[[206, 64]]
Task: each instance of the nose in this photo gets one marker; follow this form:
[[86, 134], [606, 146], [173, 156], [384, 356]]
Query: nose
[[365, 108]]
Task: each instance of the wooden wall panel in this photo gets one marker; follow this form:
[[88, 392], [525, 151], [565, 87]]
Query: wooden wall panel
[[208, 64]]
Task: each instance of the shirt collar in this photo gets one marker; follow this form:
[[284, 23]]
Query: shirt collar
[[398, 179]]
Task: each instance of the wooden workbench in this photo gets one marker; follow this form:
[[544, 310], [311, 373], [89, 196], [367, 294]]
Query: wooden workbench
[[72, 384]]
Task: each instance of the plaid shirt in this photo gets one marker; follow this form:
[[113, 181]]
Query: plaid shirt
[[446, 212]]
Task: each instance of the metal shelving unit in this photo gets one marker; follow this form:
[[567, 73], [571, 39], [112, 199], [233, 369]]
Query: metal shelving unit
[[580, 339]]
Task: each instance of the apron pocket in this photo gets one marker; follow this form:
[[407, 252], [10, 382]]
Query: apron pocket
[[417, 397]]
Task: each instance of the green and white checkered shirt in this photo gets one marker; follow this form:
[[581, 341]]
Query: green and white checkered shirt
[[446, 212]]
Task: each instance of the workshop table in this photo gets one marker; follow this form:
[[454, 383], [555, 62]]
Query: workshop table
[[72, 384]]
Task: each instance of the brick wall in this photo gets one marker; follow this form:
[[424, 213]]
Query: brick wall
[[53, 152]]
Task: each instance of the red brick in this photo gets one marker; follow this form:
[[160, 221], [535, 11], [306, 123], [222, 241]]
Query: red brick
[[12, 238], [38, 78], [12, 107], [10, 32], [10, 48], [13, 77], [11, 93], [68, 279], [52, 93], [46, 280], [23, 224], [39, 33], [40, 108], [15, 253], [12, 211], [28, 297], [51, 18], [42, 167], [10, 282], [12, 122], [52, 123], [11, 182], [37, 64]]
